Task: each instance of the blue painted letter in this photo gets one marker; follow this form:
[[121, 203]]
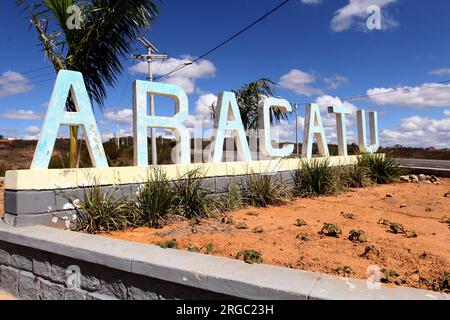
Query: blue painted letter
[[57, 115], [142, 121]]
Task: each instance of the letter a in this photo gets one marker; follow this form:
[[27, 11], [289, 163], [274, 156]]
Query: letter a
[[69, 81], [228, 118]]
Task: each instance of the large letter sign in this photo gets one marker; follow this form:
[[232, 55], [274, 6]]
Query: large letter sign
[[341, 112], [264, 125], [142, 121], [361, 119], [69, 81], [314, 127], [227, 122], [228, 118]]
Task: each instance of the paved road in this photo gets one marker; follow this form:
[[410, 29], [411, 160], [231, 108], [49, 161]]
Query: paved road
[[423, 163]]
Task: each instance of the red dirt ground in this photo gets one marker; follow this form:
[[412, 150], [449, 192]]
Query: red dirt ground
[[416, 260]]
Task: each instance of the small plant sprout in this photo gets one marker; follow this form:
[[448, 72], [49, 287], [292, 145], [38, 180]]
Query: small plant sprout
[[331, 230], [370, 252], [348, 215], [300, 223], [303, 237], [250, 256], [258, 229], [241, 226], [345, 271], [388, 275], [169, 244], [357, 236]]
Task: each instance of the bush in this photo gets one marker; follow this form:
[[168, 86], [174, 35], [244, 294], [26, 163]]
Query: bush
[[316, 177], [192, 198], [155, 200], [264, 190], [382, 169], [354, 176], [233, 199], [102, 211]]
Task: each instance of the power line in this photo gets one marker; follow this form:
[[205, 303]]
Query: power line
[[35, 70], [26, 80], [31, 84], [184, 65]]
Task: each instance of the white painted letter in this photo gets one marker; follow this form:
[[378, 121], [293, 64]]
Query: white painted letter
[[264, 126], [228, 117], [361, 119], [340, 112], [314, 127]]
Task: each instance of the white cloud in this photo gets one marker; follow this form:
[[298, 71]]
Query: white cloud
[[14, 83], [123, 117], [335, 81], [426, 95], [185, 77], [202, 117], [440, 72], [32, 130], [22, 114], [32, 133], [354, 14], [419, 131], [300, 82]]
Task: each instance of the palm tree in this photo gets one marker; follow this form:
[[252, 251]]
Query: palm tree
[[107, 30], [248, 98]]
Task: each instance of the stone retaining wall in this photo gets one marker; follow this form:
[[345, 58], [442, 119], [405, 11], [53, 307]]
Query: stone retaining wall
[[39, 197], [37, 262]]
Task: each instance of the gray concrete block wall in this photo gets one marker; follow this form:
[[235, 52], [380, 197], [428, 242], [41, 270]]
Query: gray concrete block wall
[[40, 207], [36, 275]]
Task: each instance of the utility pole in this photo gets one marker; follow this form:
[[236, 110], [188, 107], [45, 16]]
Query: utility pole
[[152, 54], [296, 130]]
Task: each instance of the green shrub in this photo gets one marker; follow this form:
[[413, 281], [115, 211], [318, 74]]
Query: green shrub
[[192, 198], [316, 177], [354, 176], [102, 211], [250, 256], [263, 190], [382, 169], [169, 244], [155, 200], [233, 199]]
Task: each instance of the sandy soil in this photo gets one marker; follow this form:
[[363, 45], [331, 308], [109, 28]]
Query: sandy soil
[[416, 260]]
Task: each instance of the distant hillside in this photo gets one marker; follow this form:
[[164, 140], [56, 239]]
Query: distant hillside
[[18, 154]]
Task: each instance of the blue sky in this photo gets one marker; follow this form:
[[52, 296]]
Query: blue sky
[[317, 51]]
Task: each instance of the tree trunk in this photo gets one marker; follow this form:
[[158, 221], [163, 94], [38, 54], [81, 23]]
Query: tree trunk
[[73, 147]]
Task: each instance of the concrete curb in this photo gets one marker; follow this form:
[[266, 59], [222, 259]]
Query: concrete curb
[[211, 273]]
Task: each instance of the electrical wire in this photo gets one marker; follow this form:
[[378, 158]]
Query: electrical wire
[[237, 34]]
